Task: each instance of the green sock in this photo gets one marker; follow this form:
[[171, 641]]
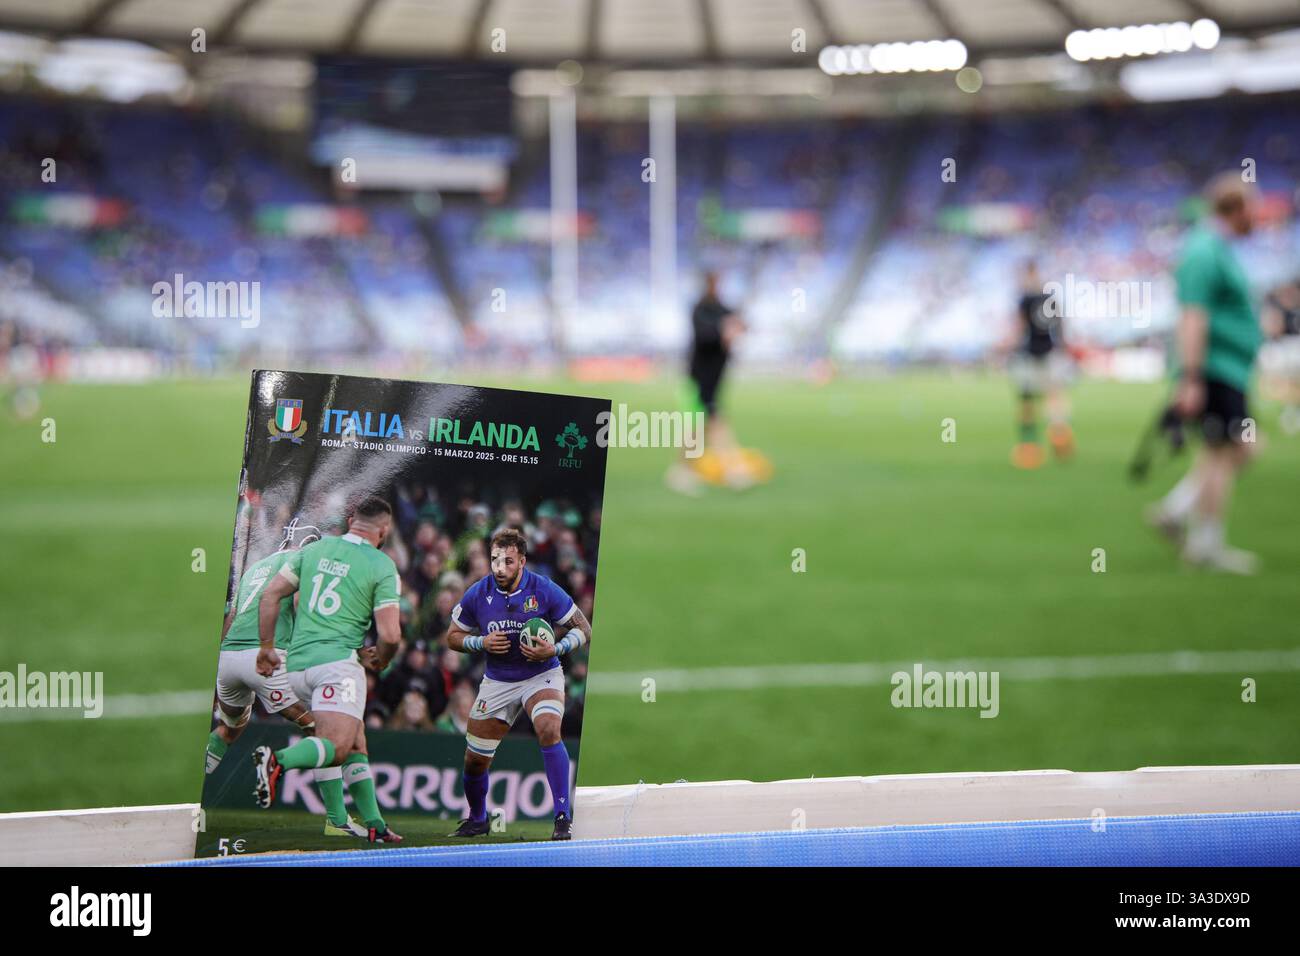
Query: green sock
[[306, 754], [216, 750], [1029, 431], [329, 781], [356, 771]]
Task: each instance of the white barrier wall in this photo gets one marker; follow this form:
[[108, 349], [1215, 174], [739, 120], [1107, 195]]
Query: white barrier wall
[[134, 835], [113, 836], [737, 807]]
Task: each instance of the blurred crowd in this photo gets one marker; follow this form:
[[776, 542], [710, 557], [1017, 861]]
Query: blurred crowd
[[1100, 192], [440, 547]]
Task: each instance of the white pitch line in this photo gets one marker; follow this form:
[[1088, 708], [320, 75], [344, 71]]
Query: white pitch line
[[757, 677], [179, 703], [865, 674]]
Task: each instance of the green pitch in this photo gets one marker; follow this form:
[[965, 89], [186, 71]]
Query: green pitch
[[916, 550]]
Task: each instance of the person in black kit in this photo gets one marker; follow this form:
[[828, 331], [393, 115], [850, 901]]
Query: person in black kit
[[1279, 359], [715, 328], [1038, 369]]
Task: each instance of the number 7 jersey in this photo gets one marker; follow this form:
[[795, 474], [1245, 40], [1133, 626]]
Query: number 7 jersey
[[242, 635], [341, 582]]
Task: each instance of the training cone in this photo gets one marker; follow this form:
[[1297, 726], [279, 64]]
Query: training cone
[[1028, 455], [1062, 439]]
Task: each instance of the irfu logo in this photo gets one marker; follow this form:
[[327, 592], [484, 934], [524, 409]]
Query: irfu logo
[[573, 440]]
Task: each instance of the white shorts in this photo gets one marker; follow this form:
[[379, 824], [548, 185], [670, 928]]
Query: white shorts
[[1036, 374], [339, 686], [504, 700], [1281, 359], [238, 680]]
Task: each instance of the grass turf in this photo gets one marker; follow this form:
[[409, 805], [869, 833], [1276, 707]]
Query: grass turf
[[917, 550]]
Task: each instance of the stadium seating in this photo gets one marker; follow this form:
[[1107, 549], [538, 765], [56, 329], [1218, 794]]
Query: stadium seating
[[893, 270]]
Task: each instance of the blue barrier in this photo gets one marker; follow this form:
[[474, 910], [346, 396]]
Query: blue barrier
[[1211, 839]]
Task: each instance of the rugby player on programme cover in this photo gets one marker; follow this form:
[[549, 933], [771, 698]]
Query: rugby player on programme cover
[[238, 679], [347, 581], [489, 618]]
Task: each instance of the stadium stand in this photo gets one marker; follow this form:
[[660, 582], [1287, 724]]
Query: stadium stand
[[889, 267]]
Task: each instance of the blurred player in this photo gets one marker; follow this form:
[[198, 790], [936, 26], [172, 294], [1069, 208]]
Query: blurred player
[[1217, 338], [488, 618], [344, 582], [1279, 359], [1039, 368], [21, 369], [238, 679], [715, 330]]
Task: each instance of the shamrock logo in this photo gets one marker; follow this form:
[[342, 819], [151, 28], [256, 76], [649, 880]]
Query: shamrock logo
[[571, 439]]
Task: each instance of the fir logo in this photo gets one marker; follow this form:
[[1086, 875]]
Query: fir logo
[[288, 422], [573, 440], [531, 603]]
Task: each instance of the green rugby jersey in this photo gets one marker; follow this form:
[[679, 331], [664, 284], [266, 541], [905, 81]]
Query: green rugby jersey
[[341, 583], [243, 629], [1210, 276]]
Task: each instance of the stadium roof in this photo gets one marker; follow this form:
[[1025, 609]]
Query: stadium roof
[[618, 30]]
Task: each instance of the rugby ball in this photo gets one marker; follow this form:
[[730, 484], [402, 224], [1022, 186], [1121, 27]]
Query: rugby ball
[[535, 633]]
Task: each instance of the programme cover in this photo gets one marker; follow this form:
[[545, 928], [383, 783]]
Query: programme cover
[[408, 616]]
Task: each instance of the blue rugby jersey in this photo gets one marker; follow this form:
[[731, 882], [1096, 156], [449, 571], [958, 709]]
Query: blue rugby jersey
[[485, 608]]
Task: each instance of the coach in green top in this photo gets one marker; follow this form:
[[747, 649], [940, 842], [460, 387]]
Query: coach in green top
[[1217, 337]]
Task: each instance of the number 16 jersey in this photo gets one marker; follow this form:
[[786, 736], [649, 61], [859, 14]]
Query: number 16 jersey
[[341, 582]]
